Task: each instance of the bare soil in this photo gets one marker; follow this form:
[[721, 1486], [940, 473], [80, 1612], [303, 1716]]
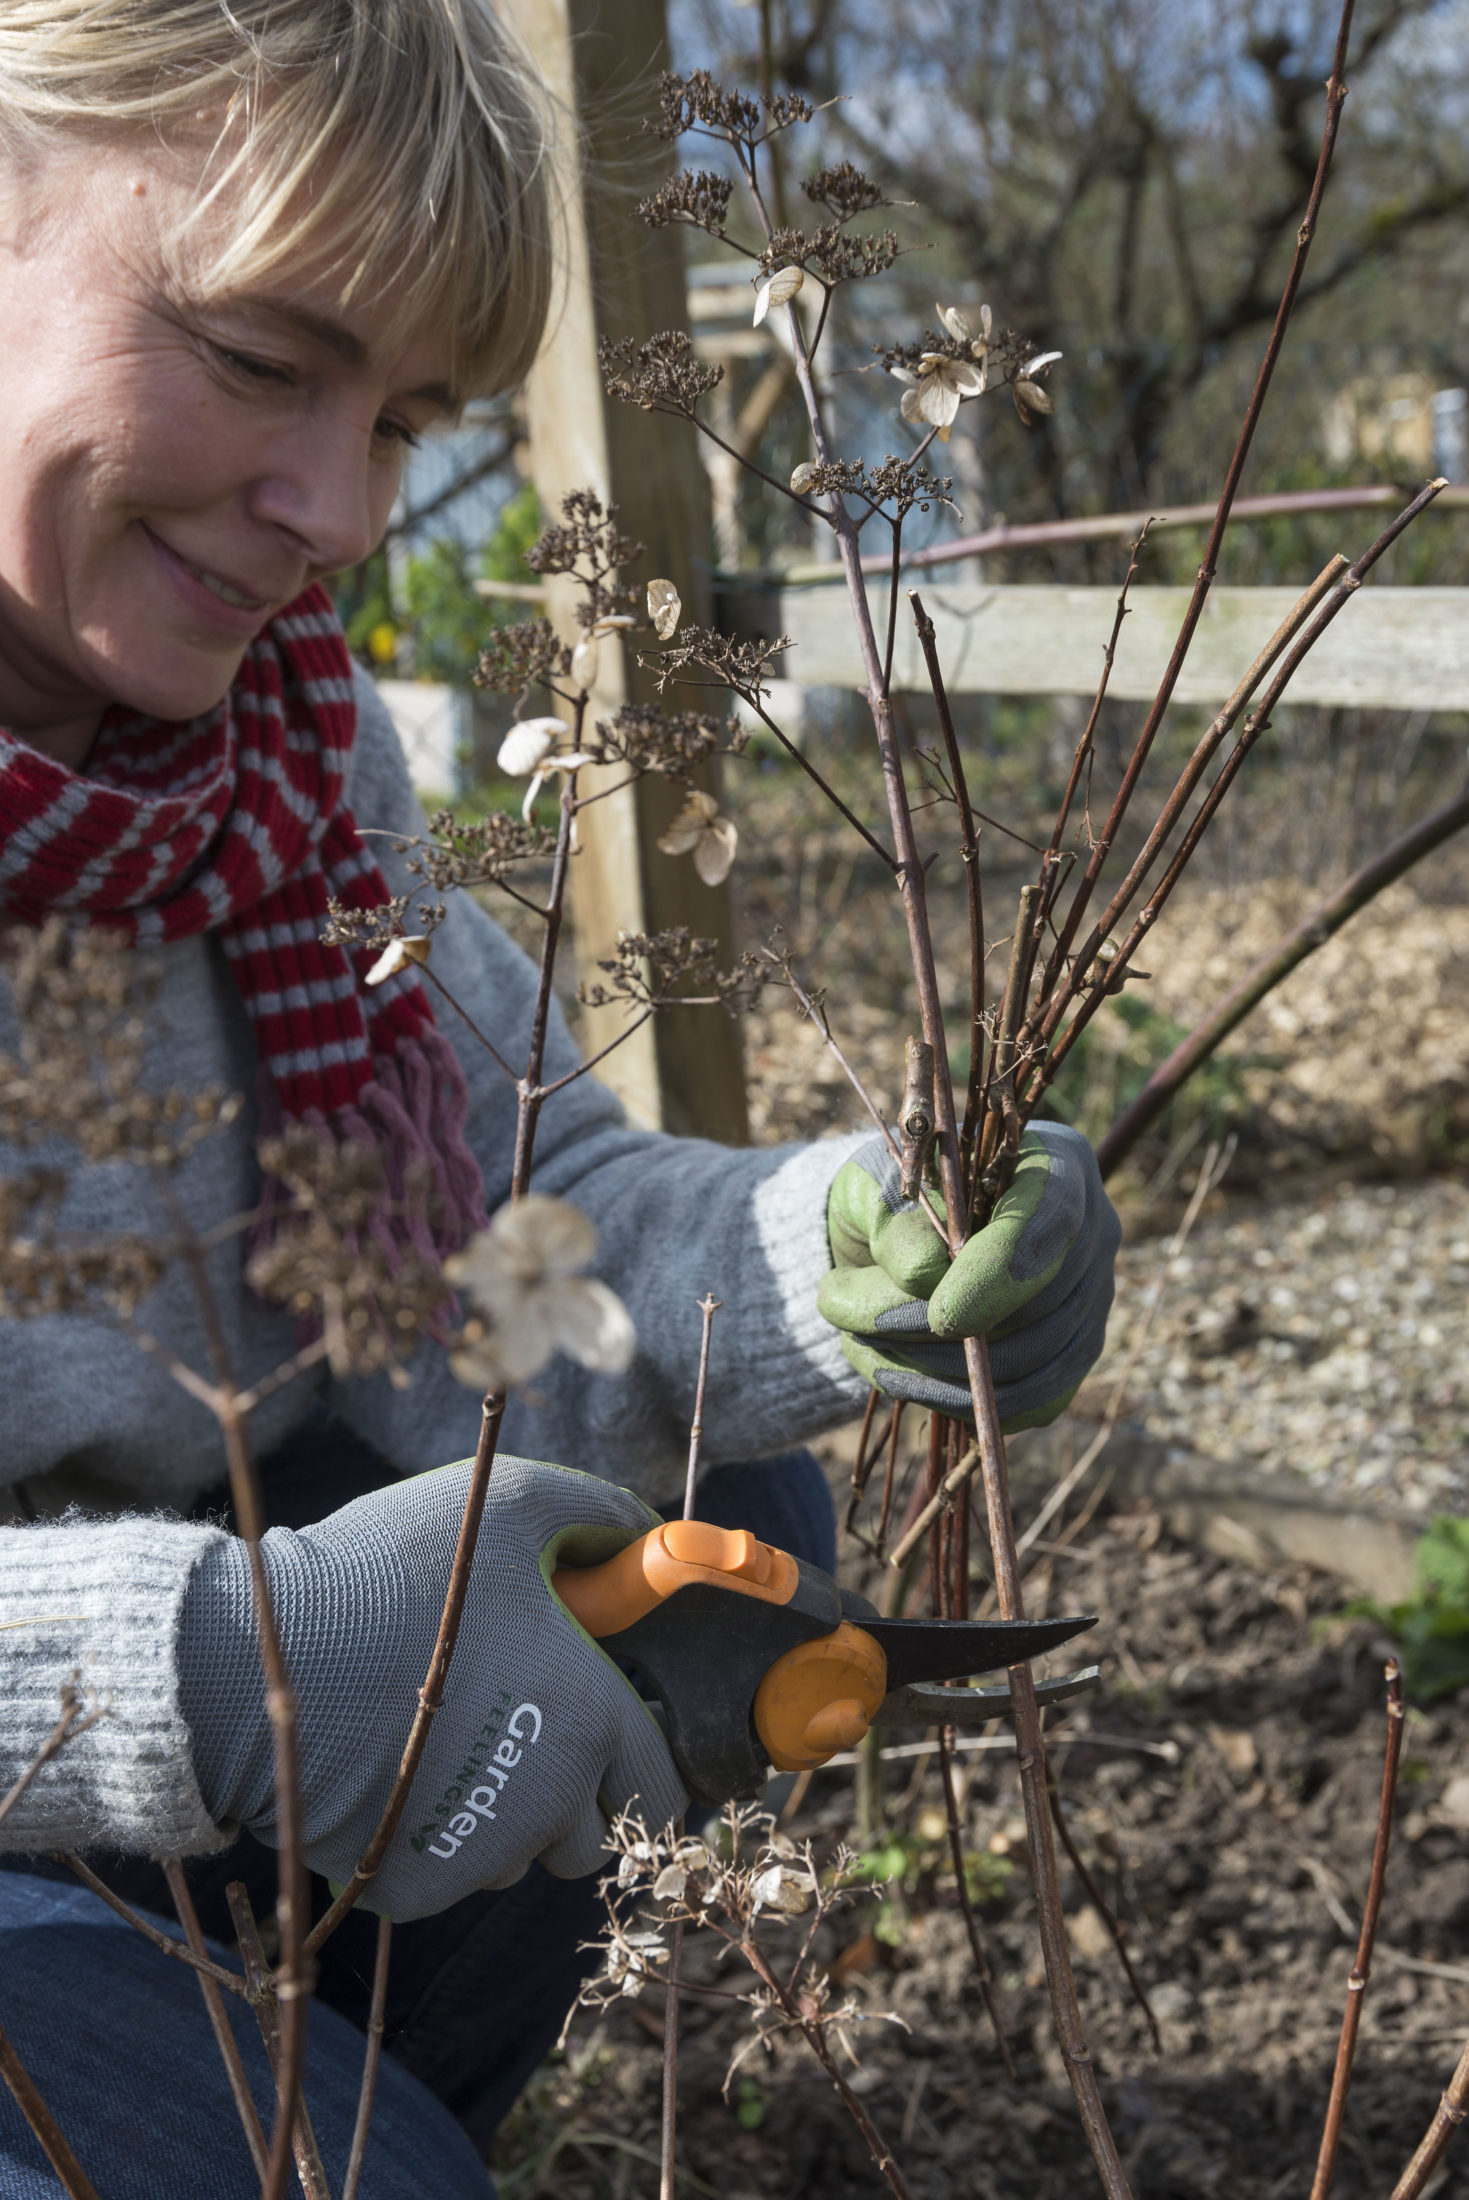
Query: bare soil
[[1222, 1787]]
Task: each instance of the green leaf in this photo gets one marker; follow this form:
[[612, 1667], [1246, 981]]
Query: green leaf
[[1431, 1628]]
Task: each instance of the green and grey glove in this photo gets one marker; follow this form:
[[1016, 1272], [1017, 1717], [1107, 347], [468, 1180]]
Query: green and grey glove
[[539, 1741], [1036, 1281]]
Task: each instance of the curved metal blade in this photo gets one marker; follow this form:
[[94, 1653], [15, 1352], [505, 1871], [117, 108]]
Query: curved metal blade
[[923, 1704], [951, 1649]]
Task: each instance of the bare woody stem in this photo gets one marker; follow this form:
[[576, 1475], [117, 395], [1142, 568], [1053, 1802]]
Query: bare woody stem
[[262, 1996], [530, 1093], [27, 2097], [376, 2025], [1336, 92], [1361, 1971], [668, 2134], [955, 1480], [431, 1695], [817, 1013], [1336, 598], [224, 2038], [293, 1979], [708, 1307], [1447, 2117], [181, 1951], [815, 2037], [1302, 940], [982, 1972], [969, 856], [1051, 862], [76, 1717], [492, 1412], [1188, 780], [1030, 1748], [1101, 1906], [818, 780]]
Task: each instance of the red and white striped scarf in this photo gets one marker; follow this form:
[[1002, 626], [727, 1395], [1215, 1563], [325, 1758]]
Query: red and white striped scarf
[[235, 823]]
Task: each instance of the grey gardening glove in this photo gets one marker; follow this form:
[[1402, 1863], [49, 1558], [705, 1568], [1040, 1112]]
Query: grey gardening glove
[[1036, 1281], [539, 1740]]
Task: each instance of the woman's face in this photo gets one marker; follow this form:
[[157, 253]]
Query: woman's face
[[176, 467]]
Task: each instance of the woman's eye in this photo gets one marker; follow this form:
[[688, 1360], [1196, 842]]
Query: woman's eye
[[396, 431], [245, 363]]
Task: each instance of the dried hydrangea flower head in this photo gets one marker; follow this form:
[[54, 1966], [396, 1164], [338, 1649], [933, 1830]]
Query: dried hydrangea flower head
[[702, 832], [521, 1277]]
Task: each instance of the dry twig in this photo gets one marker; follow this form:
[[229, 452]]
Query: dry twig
[[28, 2100], [1361, 1971], [376, 2022], [668, 2130], [224, 2038], [264, 1998]]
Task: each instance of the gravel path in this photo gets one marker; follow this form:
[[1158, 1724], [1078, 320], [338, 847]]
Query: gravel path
[[1320, 1337]]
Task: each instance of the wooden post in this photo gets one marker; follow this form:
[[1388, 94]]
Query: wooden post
[[600, 58]]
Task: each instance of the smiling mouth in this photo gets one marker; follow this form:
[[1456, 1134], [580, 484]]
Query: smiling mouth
[[225, 590], [228, 592]]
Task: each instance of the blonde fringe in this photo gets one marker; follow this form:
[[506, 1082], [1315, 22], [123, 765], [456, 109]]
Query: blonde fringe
[[412, 137]]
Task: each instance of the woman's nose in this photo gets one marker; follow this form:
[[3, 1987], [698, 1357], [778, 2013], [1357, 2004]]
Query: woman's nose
[[330, 491]]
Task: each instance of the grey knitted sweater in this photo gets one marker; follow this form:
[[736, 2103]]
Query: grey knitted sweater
[[101, 1444]]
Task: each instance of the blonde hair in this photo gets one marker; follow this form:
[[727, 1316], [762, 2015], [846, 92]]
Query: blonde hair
[[411, 133]]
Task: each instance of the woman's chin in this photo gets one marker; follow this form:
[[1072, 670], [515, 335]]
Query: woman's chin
[[188, 686]]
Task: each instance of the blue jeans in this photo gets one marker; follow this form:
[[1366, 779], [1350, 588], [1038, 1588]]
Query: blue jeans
[[116, 2036]]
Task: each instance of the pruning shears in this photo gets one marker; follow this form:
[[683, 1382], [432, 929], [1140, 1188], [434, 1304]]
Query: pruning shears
[[759, 1659]]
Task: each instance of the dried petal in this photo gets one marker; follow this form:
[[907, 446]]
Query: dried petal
[[397, 955], [584, 662], [959, 375], [670, 1883], [528, 740], [613, 622], [803, 477], [690, 825], [781, 1889], [930, 403], [777, 290], [539, 1236], [795, 1893], [1041, 359], [664, 606], [701, 832], [954, 321], [593, 1326], [1030, 397], [715, 851]]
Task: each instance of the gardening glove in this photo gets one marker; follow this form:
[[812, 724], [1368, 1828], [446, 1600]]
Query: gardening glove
[[1036, 1281], [539, 1740]]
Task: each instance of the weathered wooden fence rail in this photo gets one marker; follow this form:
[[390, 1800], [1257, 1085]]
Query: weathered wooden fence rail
[[1393, 648]]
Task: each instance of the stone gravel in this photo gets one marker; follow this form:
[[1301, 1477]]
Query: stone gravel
[[1320, 1337]]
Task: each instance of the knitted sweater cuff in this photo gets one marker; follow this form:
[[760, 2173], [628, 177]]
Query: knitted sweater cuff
[[94, 1605], [808, 1382]]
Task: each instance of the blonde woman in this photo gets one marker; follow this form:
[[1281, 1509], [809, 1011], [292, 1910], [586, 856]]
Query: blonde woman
[[249, 253]]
